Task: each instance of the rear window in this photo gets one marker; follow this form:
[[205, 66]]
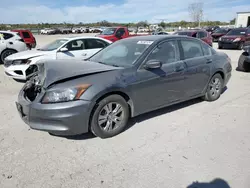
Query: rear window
[[7, 35], [26, 35]]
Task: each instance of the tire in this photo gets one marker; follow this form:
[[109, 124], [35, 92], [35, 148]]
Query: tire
[[241, 45], [6, 53], [220, 47], [102, 124], [214, 88]]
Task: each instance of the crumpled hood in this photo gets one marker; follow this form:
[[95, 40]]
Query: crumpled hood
[[27, 54], [57, 70]]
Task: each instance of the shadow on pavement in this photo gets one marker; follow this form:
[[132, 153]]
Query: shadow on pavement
[[216, 183]]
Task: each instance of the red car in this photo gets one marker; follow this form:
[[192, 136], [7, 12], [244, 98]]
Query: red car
[[197, 33], [28, 37], [236, 38], [115, 33], [219, 33]]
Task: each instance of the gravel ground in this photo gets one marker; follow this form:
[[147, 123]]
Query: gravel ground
[[171, 147]]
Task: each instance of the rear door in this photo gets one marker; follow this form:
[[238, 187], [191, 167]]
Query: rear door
[[198, 66]]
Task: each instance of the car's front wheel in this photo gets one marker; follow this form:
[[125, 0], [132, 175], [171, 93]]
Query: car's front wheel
[[214, 88], [5, 54], [110, 116], [241, 45]]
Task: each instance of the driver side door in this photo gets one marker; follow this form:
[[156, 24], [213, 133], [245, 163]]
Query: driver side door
[[161, 86]]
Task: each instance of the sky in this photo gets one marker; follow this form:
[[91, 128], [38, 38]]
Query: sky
[[86, 11]]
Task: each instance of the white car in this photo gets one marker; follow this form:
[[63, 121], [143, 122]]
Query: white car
[[79, 48], [10, 43]]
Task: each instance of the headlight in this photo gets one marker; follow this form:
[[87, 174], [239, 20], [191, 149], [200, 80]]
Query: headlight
[[21, 62], [237, 40], [220, 39], [64, 95]]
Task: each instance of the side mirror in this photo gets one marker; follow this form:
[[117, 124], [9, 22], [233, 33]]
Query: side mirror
[[64, 49], [153, 64]]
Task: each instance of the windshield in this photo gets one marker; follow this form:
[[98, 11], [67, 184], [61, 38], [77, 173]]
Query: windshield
[[122, 53], [108, 31], [221, 31], [237, 32], [53, 45]]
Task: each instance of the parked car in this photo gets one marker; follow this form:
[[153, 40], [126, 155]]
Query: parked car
[[27, 36], [46, 31], [128, 78], [236, 38], [160, 33], [17, 65], [10, 43], [115, 33], [197, 33], [211, 29], [219, 33], [244, 60]]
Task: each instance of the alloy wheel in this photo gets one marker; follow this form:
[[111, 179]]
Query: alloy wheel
[[111, 116], [215, 87]]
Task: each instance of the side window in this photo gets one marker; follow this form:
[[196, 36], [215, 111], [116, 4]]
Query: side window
[[202, 34], [191, 49], [166, 52], [26, 35], [207, 50], [95, 43], [76, 45], [121, 31], [6, 35]]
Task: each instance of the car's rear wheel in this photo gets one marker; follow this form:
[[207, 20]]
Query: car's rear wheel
[[214, 88], [110, 116], [6, 53]]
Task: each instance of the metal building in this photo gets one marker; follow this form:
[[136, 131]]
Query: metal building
[[242, 19]]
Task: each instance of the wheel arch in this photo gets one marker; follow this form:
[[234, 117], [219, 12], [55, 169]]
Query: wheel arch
[[116, 92]]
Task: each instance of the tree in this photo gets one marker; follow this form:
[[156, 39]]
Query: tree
[[105, 23], [232, 22], [162, 24], [196, 12]]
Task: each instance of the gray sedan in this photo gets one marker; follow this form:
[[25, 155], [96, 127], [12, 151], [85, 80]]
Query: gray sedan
[[128, 78]]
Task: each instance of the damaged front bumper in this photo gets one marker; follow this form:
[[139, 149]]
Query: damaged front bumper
[[68, 118]]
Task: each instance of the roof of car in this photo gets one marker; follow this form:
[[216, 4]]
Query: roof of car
[[191, 30], [154, 37], [82, 37]]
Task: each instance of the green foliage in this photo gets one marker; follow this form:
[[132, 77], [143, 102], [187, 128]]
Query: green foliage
[[232, 22], [105, 23]]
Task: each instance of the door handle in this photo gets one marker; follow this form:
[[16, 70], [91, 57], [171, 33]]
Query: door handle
[[209, 61]]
